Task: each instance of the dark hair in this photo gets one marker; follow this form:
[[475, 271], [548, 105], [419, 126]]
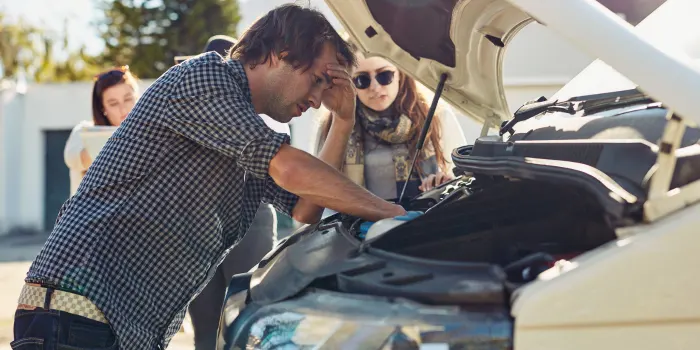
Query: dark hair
[[104, 81], [299, 32]]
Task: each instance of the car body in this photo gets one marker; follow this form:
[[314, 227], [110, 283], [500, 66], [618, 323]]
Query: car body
[[573, 228]]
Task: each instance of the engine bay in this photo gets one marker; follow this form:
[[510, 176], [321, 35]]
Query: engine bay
[[522, 226]]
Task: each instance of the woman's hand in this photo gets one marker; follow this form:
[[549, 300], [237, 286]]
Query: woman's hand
[[434, 180], [340, 98], [85, 159]]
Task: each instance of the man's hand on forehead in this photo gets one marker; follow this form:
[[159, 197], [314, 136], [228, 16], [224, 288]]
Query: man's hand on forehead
[[328, 79], [340, 97], [339, 66]]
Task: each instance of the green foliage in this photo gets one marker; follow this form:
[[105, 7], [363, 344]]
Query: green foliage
[[148, 34], [28, 49], [17, 49]]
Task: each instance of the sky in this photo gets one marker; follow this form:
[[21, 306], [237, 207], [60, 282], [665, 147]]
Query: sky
[[51, 15], [80, 14]]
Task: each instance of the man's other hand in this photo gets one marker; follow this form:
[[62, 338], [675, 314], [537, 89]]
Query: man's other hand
[[340, 98]]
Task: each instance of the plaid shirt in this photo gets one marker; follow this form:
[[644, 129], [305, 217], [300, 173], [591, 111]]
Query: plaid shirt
[[174, 188]]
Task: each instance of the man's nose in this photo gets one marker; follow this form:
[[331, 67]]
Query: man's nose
[[315, 99]]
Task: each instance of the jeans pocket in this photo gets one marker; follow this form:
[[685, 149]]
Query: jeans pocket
[[27, 344], [93, 335], [34, 324]]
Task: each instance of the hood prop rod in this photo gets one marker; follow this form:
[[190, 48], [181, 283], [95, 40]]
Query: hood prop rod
[[424, 131]]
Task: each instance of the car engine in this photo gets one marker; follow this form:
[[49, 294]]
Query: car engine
[[523, 226]]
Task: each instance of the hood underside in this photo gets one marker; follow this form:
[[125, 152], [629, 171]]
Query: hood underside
[[425, 38]]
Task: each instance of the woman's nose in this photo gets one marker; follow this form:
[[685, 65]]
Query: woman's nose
[[123, 109], [374, 85]]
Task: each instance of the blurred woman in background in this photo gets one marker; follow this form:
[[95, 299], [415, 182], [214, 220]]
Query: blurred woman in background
[[114, 94], [389, 116]]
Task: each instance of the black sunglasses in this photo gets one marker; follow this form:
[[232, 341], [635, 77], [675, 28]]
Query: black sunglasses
[[363, 80]]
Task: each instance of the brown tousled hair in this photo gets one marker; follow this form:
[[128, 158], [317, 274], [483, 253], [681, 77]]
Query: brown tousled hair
[[299, 32], [410, 102], [104, 81]]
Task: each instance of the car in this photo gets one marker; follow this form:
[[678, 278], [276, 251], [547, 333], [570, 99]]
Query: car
[[574, 226]]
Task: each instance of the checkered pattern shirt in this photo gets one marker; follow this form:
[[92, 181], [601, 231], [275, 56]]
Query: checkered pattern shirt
[[174, 188]]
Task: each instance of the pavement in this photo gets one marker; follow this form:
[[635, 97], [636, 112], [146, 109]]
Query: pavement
[[16, 255]]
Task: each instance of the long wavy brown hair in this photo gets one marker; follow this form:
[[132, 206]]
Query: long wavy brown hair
[[410, 102]]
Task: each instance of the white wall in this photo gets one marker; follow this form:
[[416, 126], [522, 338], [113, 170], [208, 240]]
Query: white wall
[[13, 110], [4, 97], [43, 107]]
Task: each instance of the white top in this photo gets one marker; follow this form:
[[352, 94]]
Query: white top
[[71, 155], [75, 145], [452, 135]]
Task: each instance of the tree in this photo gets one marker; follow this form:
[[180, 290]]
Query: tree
[[17, 47], [148, 34], [35, 51], [76, 64]]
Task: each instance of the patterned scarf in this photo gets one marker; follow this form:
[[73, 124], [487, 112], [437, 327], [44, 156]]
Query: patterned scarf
[[390, 131]]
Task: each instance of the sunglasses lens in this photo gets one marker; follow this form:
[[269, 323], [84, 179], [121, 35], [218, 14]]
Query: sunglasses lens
[[362, 81], [385, 77]]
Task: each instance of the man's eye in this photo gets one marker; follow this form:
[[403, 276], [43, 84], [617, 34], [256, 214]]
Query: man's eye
[[318, 80]]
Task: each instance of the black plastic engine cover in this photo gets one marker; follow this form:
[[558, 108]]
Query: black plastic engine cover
[[327, 250]]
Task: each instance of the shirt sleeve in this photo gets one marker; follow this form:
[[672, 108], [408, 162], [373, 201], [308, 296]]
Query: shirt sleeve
[[211, 109], [281, 199], [74, 145]]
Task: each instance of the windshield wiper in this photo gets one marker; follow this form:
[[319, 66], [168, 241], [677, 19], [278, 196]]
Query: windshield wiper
[[426, 127], [588, 103], [534, 108]]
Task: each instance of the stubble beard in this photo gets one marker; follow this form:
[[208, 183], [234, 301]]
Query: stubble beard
[[277, 109]]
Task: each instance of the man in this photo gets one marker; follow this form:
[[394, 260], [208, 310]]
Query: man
[[205, 309], [179, 183]]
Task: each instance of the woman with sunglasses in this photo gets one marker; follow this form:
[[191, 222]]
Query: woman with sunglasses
[[114, 94], [390, 114]]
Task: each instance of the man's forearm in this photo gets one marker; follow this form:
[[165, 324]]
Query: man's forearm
[[333, 153], [318, 184], [336, 143]]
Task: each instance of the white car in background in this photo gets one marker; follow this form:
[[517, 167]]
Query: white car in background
[[575, 226]]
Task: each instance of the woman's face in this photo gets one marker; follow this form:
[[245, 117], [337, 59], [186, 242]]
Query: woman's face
[[118, 100], [377, 82]]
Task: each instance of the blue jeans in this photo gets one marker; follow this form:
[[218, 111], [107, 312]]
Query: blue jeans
[[50, 329]]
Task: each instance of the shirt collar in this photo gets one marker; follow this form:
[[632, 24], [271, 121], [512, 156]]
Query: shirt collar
[[242, 79]]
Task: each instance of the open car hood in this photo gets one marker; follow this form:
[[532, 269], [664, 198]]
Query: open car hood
[[425, 38]]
